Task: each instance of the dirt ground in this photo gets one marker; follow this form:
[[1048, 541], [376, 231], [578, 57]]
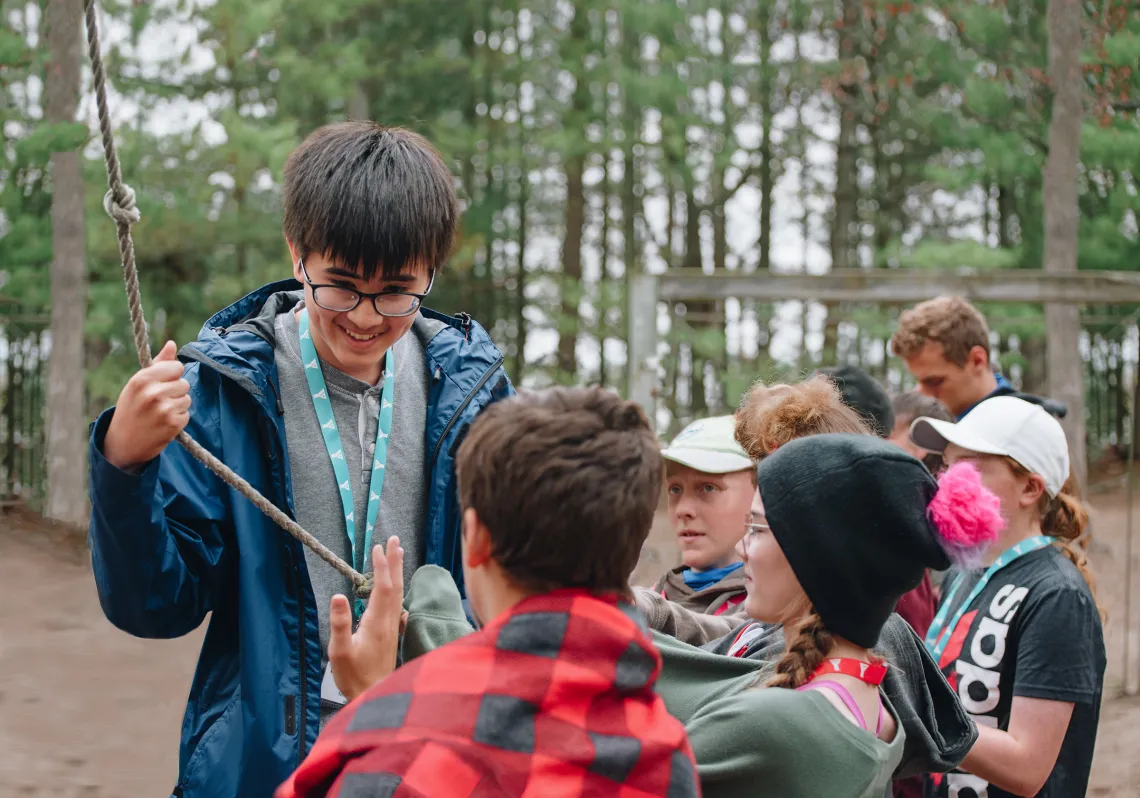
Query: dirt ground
[[87, 710]]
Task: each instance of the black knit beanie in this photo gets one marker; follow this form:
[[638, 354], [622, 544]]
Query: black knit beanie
[[863, 394], [850, 514]]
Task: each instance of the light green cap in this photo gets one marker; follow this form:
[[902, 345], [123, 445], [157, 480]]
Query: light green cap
[[709, 445]]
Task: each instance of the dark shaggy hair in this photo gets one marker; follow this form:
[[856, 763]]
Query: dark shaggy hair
[[371, 198]]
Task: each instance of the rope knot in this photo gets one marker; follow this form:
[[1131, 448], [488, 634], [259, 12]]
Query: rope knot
[[124, 210], [363, 589]]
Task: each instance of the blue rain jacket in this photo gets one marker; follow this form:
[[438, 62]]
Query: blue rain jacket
[[173, 543]]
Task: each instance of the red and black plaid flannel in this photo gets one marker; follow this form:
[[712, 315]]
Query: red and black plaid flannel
[[554, 699]]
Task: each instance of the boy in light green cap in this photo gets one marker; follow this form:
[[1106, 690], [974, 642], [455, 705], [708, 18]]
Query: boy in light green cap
[[711, 484]]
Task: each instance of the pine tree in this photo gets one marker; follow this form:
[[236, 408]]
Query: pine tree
[[67, 428]]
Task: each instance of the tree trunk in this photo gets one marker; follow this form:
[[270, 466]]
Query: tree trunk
[[485, 287], [467, 175], [762, 311], [575, 219], [66, 463], [698, 311], [1035, 375], [571, 268], [520, 268], [1005, 209], [767, 183], [767, 186], [845, 147], [1119, 390], [845, 172], [1062, 220], [631, 137], [605, 299]]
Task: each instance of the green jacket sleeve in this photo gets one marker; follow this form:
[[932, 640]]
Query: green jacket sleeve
[[435, 612], [688, 626]]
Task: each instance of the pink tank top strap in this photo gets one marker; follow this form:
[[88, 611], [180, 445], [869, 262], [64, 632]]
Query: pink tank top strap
[[846, 698]]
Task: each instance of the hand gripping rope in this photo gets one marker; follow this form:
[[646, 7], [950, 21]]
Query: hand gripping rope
[[119, 203]]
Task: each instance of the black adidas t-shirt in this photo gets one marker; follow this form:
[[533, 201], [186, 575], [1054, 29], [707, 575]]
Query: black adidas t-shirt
[[1033, 631]]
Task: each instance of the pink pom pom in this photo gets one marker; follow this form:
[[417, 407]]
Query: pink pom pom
[[966, 514]]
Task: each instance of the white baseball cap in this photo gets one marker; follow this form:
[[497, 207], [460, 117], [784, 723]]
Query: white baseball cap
[[709, 445], [1007, 426]]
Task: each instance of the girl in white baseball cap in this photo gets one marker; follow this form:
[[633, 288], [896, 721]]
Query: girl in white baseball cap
[[1019, 637]]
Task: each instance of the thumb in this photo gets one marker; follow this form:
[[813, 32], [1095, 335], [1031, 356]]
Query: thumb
[[340, 625], [169, 351]]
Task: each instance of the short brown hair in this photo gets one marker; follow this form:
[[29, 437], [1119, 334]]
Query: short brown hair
[[915, 404], [773, 415], [567, 481], [947, 320]]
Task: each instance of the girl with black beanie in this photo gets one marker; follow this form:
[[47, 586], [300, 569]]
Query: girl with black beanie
[[848, 524]]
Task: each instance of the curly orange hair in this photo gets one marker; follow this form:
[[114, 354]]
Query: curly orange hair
[[773, 415]]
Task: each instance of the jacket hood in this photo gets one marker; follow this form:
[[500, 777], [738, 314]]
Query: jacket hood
[[675, 580], [1054, 408]]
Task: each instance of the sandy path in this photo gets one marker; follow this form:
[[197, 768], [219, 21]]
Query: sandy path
[[87, 710]]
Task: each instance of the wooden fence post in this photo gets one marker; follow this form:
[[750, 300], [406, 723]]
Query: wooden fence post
[[642, 352]]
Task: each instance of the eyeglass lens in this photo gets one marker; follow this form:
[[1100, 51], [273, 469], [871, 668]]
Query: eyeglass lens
[[343, 300]]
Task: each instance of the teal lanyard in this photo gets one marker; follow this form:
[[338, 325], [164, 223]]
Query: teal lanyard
[[939, 633], [333, 445]]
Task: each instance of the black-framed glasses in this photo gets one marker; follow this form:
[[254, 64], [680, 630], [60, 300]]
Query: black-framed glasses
[[341, 299]]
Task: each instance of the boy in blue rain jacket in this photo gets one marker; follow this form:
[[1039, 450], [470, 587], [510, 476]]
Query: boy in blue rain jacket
[[342, 400]]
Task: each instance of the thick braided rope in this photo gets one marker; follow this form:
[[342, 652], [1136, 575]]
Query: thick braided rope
[[119, 203]]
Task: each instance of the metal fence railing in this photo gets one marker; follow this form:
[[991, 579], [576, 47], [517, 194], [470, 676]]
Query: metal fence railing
[[23, 374]]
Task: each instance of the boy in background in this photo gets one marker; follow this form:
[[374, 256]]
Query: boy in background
[[945, 343], [909, 406], [711, 483]]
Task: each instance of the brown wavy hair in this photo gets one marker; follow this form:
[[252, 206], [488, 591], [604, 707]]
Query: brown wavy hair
[[1065, 517], [773, 415], [805, 652]]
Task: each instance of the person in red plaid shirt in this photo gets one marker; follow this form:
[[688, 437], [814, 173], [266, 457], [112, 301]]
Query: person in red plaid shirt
[[554, 696]]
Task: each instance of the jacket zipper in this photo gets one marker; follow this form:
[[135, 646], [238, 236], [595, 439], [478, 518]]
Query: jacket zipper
[[302, 711], [299, 712], [459, 411]]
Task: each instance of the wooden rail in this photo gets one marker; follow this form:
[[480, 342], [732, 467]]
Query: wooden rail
[[906, 286]]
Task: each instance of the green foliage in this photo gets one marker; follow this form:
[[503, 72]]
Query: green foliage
[[953, 254], [949, 101]]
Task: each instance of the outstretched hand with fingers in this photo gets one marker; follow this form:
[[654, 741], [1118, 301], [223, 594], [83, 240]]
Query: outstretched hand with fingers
[[362, 658]]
